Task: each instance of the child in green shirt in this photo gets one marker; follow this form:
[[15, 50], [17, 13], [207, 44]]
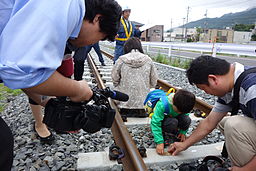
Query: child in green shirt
[[175, 122]]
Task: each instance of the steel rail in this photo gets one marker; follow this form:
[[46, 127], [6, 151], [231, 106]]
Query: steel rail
[[200, 104], [107, 54], [132, 159]]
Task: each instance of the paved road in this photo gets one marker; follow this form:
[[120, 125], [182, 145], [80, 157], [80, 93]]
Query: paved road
[[231, 59], [245, 61]]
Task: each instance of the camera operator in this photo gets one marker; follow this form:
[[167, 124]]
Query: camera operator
[[33, 35]]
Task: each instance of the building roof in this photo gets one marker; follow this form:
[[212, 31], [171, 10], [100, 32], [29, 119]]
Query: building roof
[[137, 24], [145, 27]]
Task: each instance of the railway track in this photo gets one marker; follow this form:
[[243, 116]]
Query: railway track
[[132, 159]]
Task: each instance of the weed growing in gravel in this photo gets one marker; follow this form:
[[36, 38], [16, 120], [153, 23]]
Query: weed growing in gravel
[[5, 93], [159, 58]]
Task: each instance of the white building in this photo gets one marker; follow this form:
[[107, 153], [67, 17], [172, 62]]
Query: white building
[[178, 34], [167, 36], [242, 37]]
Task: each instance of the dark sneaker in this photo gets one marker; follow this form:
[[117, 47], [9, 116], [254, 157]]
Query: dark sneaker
[[103, 64]]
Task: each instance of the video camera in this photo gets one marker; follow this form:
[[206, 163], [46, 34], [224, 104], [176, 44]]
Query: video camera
[[62, 114]]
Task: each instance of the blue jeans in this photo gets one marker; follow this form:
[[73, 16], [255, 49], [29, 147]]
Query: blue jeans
[[81, 55], [119, 51], [96, 47], [172, 125]]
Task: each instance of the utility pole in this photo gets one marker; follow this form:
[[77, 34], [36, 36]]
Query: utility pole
[[186, 23], [205, 18], [205, 25], [183, 29], [171, 31]]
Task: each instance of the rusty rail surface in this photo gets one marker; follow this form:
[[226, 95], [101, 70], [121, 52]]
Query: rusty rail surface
[[132, 159], [107, 54], [200, 104]]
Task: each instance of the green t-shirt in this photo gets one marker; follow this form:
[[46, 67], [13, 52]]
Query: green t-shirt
[[158, 117]]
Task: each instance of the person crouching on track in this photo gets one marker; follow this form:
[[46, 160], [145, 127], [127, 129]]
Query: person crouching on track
[[220, 78], [172, 126], [134, 74]]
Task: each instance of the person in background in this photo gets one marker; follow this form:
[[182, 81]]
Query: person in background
[[134, 74], [38, 31], [80, 57], [173, 126], [217, 77], [137, 32], [125, 31]]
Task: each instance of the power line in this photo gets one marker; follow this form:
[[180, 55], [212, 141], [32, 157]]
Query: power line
[[220, 2], [223, 3]]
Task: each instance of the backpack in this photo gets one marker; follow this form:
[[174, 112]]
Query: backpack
[[153, 97]]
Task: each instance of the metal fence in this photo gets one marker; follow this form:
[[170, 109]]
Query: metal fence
[[214, 48]]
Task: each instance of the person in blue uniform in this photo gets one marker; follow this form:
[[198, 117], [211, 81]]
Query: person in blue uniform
[[80, 57], [125, 31], [33, 36], [137, 32]]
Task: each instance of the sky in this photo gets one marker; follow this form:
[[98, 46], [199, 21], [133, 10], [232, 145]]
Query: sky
[[172, 13]]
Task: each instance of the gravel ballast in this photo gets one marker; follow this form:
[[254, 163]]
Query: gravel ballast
[[30, 154]]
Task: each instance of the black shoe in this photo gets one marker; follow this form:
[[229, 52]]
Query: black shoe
[[44, 140], [103, 64]]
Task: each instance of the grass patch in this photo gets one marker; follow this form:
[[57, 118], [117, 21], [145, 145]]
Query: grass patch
[[5, 92], [173, 61]]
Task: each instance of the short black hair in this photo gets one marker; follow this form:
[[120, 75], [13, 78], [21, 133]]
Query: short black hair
[[184, 100], [205, 65], [109, 20], [132, 43]]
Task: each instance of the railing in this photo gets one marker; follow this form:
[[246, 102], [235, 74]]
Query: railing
[[214, 48]]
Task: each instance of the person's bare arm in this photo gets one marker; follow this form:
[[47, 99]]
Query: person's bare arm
[[205, 127], [58, 85], [250, 166]]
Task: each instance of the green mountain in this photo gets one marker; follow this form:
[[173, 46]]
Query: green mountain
[[228, 20]]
